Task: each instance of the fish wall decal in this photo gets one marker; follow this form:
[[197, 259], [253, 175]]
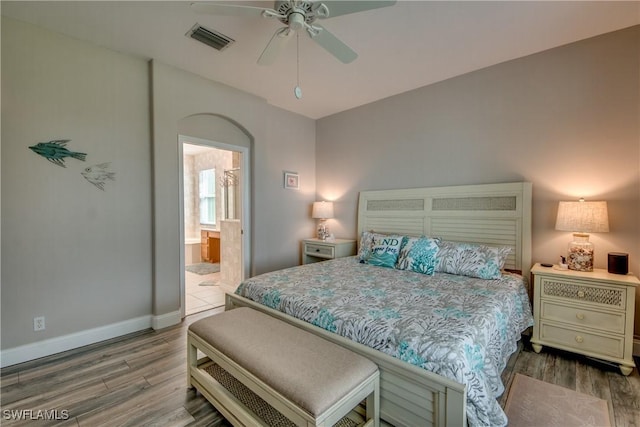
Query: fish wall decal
[[55, 151], [98, 174]]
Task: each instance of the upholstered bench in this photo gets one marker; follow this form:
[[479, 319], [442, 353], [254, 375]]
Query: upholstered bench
[[251, 357]]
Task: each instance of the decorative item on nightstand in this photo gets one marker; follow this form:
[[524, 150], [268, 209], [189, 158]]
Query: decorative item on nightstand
[[618, 263], [582, 218], [322, 211]]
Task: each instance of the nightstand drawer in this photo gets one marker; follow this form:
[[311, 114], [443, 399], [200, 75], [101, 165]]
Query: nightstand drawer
[[314, 250], [598, 294], [580, 316], [583, 342], [319, 250]]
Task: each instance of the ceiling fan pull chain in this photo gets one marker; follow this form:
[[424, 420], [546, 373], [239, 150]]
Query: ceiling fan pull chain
[[298, 59], [297, 91]]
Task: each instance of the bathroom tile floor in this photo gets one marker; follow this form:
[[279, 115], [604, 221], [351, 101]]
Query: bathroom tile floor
[[200, 298]]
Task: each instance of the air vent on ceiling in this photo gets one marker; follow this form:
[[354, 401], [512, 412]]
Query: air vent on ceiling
[[210, 37]]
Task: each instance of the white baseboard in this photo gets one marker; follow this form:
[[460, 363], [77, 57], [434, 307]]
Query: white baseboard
[[166, 320], [27, 352]]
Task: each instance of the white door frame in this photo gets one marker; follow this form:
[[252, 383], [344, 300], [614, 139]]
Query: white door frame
[[246, 207]]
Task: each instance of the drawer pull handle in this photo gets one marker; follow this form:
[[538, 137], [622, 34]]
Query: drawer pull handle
[[579, 339], [580, 294], [580, 316]]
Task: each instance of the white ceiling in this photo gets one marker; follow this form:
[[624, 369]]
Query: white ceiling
[[402, 47]]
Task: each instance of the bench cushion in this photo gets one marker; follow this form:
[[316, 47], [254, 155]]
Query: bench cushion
[[306, 369]]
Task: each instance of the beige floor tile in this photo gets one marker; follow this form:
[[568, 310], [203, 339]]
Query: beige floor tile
[[200, 298], [215, 300]]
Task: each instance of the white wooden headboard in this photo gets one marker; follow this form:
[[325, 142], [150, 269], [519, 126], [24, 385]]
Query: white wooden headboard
[[490, 214]]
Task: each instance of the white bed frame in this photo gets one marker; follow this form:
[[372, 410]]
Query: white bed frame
[[491, 214]]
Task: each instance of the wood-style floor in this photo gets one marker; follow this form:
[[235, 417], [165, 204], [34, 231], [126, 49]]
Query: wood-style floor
[[141, 380], [581, 374]]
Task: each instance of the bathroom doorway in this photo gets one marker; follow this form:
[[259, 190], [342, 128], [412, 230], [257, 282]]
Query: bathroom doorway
[[213, 187]]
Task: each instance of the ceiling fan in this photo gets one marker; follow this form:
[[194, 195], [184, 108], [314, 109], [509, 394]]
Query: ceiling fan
[[298, 15]]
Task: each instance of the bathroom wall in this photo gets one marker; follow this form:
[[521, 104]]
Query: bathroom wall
[[230, 248], [211, 159], [193, 164], [191, 217]]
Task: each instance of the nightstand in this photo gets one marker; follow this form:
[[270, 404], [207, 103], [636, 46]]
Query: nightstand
[[589, 313], [314, 250]]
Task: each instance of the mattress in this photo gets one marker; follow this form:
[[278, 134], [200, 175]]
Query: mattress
[[460, 327]]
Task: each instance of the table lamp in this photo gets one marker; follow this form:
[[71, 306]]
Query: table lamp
[[582, 218], [322, 211]]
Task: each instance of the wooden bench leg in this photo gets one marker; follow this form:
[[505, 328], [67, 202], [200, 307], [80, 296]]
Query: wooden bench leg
[[373, 405], [192, 360]]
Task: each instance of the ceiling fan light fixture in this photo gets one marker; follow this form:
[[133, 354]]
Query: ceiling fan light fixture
[[298, 14], [210, 37], [296, 21]]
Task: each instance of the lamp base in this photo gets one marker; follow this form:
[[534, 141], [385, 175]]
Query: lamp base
[[323, 231], [580, 253]]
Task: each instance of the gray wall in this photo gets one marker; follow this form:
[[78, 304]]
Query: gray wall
[[566, 119], [92, 261], [280, 141], [77, 255]]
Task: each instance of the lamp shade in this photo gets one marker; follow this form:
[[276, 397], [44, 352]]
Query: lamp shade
[[322, 210], [584, 217]]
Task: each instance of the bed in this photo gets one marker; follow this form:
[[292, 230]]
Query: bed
[[451, 378]]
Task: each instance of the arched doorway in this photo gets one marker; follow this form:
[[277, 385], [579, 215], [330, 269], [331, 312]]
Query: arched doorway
[[229, 227]]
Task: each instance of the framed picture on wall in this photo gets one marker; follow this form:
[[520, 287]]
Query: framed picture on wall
[[291, 180]]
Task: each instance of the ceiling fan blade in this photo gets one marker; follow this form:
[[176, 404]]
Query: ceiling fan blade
[[332, 44], [275, 45], [227, 9], [340, 7]]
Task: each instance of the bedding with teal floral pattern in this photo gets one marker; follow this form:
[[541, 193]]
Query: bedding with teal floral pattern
[[460, 327], [418, 254], [467, 259]]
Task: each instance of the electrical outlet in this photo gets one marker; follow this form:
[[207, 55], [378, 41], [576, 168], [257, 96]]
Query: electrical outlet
[[38, 323]]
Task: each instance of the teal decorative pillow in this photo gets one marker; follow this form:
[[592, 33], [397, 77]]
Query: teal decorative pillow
[[367, 240], [467, 259], [419, 254], [385, 250]]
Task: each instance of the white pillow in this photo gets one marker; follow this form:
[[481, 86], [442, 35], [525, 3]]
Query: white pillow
[[468, 259]]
